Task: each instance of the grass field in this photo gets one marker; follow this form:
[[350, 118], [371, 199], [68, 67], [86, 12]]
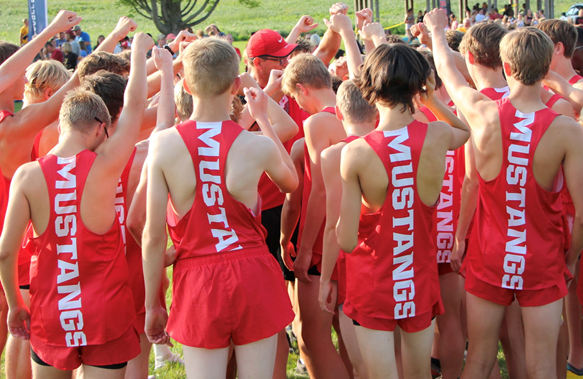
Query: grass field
[[100, 16]]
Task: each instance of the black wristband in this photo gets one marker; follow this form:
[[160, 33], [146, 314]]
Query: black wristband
[[168, 48]]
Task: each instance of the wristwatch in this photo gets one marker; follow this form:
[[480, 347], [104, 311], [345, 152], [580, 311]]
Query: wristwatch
[[168, 48]]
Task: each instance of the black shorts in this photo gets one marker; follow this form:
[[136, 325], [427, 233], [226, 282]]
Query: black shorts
[[36, 359], [271, 221]]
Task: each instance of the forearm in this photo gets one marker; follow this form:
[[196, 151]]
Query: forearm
[[444, 113], [469, 202], [293, 35], [369, 45], [330, 251], [166, 106], [563, 88], [354, 59], [283, 125], [328, 46], [155, 79], [268, 131], [153, 262], [576, 240], [315, 215], [135, 97], [290, 215]]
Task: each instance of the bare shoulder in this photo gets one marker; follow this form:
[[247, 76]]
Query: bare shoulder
[[319, 122], [142, 149], [437, 131], [565, 128], [28, 176], [332, 153], [253, 145], [357, 153], [166, 145]]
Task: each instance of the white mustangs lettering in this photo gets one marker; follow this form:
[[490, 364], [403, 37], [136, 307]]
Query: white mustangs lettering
[[445, 232], [403, 197], [516, 174], [210, 179], [68, 285]]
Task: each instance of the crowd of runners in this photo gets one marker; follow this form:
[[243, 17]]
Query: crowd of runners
[[425, 202]]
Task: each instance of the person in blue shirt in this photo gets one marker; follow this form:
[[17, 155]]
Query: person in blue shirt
[[82, 36]]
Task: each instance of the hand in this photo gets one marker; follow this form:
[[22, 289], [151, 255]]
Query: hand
[[435, 20], [162, 59], [155, 327], [274, 82], [326, 293], [339, 67], [338, 8], [256, 102], [305, 24], [302, 264], [142, 42], [287, 252], [19, 322], [183, 36], [339, 23], [422, 33], [372, 30], [363, 16], [123, 27], [427, 96], [170, 255], [457, 255], [65, 20]]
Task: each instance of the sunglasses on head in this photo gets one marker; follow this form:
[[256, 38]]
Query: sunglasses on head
[[104, 128]]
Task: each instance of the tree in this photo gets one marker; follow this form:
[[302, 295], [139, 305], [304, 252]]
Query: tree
[[172, 16]]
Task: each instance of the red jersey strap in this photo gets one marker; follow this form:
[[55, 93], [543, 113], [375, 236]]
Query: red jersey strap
[[4, 114], [329, 110], [496, 93], [350, 139], [575, 79], [430, 116], [553, 100]]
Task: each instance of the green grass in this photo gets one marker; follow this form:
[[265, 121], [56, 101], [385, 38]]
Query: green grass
[[100, 16]]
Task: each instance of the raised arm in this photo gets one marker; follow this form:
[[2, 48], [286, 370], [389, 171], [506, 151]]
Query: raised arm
[[115, 151], [123, 27], [342, 24], [466, 98], [373, 35], [559, 85], [166, 107], [15, 66], [280, 167], [331, 41], [304, 25]]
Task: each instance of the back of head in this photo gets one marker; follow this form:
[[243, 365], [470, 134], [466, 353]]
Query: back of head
[[483, 41], [393, 38], [306, 69], [354, 108], [6, 50], [67, 48], [211, 66], [110, 88], [454, 39], [393, 75], [304, 46], [80, 111], [529, 52], [429, 56], [560, 31], [43, 75], [100, 60], [183, 102]]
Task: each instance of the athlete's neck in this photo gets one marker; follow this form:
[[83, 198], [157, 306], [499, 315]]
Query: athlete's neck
[[211, 109], [358, 129], [485, 77], [564, 68], [393, 118], [526, 99], [321, 99], [72, 143]]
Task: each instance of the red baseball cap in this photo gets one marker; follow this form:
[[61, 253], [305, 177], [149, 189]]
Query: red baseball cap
[[268, 42]]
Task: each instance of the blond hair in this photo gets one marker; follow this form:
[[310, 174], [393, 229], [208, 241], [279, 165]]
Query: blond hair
[[211, 66], [354, 107], [529, 52], [308, 70], [80, 111], [183, 102], [101, 60], [43, 75]]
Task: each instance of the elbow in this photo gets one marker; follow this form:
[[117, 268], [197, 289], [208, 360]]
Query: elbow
[[347, 244], [136, 228], [291, 184], [290, 132]]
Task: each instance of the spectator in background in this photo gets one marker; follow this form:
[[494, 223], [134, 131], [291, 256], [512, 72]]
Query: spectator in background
[[454, 24], [528, 18], [161, 41], [213, 30], [51, 52], [229, 39], [419, 17], [579, 19], [481, 16], [83, 49], [409, 21], [70, 57], [200, 34], [82, 36], [61, 40], [100, 39], [24, 32], [70, 37]]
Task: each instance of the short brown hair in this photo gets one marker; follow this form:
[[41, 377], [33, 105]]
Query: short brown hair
[[42, 75], [80, 111], [101, 60], [304, 46], [454, 38], [110, 88], [563, 32], [308, 70], [353, 106], [210, 67], [483, 41], [429, 56], [7, 49], [529, 52], [393, 75], [183, 100]]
